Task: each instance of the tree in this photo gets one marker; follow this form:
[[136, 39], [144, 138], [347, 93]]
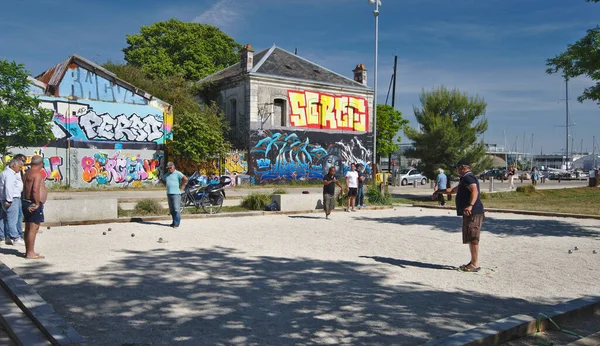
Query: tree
[[190, 50], [23, 122], [581, 59], [389, 122], [450, 123], [200, 136]]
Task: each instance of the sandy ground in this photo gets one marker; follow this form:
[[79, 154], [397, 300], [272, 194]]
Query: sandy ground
[[370, 277]]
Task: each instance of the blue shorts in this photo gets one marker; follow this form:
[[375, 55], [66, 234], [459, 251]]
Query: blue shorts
[[37, 216]]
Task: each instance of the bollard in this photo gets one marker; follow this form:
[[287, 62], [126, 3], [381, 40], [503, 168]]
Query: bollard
[[491, 184], [431, 184], [415, 184]]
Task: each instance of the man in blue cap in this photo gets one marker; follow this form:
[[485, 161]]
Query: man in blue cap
[[469, 206]]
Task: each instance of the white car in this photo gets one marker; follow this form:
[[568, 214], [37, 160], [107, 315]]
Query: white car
[[410, 176]]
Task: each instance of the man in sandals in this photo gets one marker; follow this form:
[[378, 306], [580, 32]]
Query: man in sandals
[[34, 198], [469, 206]]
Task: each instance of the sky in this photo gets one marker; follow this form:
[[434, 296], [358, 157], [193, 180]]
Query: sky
[[496, 49]]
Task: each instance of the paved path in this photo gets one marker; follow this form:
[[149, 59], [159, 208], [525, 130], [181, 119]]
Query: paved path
[[370, 277], [233, 193]]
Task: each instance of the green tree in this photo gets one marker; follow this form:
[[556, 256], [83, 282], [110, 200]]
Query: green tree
[[581, 58], [173, 47], [23, 122], [200, 136], [389, 122], [450, 123]]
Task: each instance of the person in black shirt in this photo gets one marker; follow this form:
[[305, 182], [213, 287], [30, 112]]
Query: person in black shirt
[[469, 206], [360, 197], [329, 182]]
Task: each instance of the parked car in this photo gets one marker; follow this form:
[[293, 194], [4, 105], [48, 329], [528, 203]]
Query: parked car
[[494, 173], [409, 176]]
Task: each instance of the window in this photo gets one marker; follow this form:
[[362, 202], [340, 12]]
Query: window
[[233, 113], [279, 112]]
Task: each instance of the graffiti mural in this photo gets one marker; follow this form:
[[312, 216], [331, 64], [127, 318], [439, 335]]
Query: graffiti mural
[[323, 111], [236, 163], [281, 156], [109, 122], [118, 168], [52, 166]]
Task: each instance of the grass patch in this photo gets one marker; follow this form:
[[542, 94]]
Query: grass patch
[[526, 189], [256, 201], [280, 191], [582, 200], [149, 206], [376, 197]]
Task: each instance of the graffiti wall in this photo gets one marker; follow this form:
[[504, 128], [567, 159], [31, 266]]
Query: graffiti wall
[[89, 121], [277, 156], [119, 168], [324, 111], [52, 166]]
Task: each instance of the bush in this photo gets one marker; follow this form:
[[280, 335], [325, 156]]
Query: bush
[[341, 199], [526, 189], [149, 207], [484, 195], [279, 191], [374, 196], [256, 201]]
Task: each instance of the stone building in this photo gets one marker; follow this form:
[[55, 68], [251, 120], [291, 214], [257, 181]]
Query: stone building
[[293, 118]]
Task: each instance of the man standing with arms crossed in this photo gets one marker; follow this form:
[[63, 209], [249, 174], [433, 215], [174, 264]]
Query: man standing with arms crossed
[[351, 186], [11, 187], [34, 198], [329, 183], [175, 181], [469, 206], [360, 197]]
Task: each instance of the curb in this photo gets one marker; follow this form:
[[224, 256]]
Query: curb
[[142, 219], [52, 325], [521, 212], [518, 326]]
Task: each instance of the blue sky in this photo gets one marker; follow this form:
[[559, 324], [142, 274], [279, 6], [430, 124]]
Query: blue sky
[[494, 48]]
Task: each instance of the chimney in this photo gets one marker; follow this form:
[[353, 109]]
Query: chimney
[[247, 58], [360, 74]]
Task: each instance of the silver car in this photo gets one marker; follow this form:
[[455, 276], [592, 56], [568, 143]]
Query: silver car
[[410, 176]]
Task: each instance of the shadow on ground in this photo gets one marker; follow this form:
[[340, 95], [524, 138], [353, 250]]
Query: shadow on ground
[[517, 227], [222, 296]]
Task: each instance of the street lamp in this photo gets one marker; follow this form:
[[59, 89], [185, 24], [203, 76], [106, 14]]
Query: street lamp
[[377, 3]]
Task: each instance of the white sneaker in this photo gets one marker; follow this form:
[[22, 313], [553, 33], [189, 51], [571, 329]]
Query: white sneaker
[[18, 242]]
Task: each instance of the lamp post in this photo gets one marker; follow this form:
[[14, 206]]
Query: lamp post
[[377, 3]]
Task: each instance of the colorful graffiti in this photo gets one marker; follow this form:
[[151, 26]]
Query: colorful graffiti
[[84, 122], [236, 163], [120, 169], [323, 111], [52, 165], [280, 156]]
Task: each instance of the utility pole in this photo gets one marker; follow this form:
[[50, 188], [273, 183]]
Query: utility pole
[[567, 123], [393, 103]]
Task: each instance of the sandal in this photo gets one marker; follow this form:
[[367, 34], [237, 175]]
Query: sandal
[[462, 267], [470, 268]]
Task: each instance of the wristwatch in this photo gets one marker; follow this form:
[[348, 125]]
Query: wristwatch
[[471, 205]]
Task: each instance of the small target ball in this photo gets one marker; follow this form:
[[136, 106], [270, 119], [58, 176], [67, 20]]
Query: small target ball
[[103, 233], [594, 252], [160, 240], [132, 234], [570, 251], [48, 227], [110, 229]]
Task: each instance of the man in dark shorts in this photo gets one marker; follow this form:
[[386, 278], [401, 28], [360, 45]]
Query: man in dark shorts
[[351, 187], [34, 197], [469, 206], [360, 197], [329, 182]]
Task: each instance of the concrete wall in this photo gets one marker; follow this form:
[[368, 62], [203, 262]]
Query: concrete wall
[[56, 210]]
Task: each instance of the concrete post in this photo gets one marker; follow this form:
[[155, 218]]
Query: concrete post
[[491, 184]]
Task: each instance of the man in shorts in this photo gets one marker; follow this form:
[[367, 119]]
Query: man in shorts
[[329, 182], [469, 206], [34, 198], [360, 197], [351, 187]]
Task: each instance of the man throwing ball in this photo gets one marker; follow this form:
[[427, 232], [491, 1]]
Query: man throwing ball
[[469, 206]]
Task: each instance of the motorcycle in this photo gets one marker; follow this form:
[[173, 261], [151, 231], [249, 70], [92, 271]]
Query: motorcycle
[[209, 198]]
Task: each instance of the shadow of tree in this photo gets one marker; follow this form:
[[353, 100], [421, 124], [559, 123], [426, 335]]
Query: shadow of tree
[[507, 227], [221, 296], [405, 263]]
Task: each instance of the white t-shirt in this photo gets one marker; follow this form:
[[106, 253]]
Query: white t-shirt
[[352, 179]]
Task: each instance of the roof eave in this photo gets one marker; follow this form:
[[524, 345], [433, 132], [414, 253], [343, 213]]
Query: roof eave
[[292, 79]]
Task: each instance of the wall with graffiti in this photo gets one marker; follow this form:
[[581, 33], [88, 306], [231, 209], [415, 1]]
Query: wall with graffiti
[[325, 111], [53, 165], [280, 156]]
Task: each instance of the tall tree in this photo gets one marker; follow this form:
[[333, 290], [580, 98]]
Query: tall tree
[[450, 123], [190, 50], [389, 123], [23, 122], [581, 58]]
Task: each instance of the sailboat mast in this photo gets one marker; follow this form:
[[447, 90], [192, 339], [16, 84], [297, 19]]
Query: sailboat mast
[[567, 124]]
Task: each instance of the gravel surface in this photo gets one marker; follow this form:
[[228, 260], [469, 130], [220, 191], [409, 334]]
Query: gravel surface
[[371, 277]]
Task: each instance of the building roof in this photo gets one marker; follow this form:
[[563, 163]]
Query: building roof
[[280, 63], [54, 75]]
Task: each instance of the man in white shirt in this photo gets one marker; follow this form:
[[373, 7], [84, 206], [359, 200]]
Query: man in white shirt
[[351, 186], [10, 197]]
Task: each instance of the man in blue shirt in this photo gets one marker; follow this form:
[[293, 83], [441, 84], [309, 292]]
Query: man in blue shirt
[[441, 183], [469, 206], [175, 181]]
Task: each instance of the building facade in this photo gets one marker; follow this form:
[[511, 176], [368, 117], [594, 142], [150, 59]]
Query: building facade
[[107, 132], [291, 118]]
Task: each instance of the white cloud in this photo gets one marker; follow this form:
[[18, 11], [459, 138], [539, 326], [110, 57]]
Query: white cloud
[[224, 14]]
